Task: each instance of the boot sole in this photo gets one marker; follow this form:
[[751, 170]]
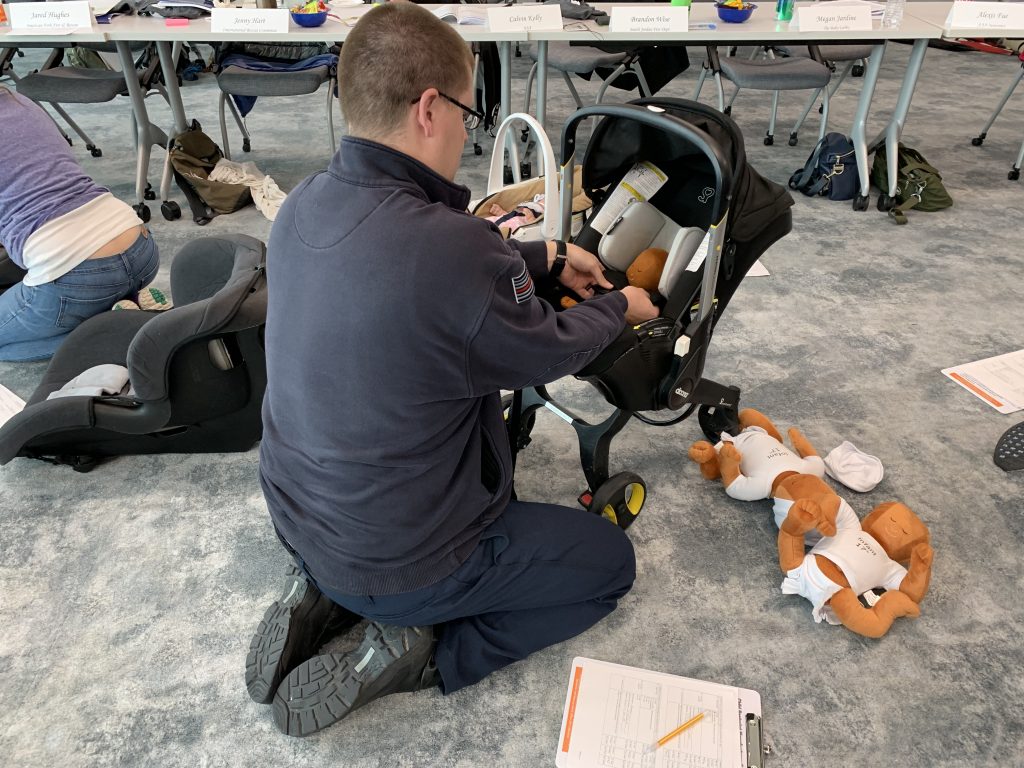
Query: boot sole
[[263, 670], [327, 688]]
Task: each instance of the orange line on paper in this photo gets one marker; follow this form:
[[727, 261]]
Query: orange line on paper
[[979, 392], [577, 676]]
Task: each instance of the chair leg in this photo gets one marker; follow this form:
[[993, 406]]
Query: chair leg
[[769, 139], [330, 114], [224, 146], [74, 126], [824, 113], [803, 116], [645, 88], [700, 82], [721, 92], [728, 107], [999, 107], [608, 81], [240, 122], [529, 87], [573, 91]]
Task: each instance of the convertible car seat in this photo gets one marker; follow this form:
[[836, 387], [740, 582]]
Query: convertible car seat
[[197, 372]]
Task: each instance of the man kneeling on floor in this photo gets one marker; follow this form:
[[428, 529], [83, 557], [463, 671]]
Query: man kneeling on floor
[[394, 320]]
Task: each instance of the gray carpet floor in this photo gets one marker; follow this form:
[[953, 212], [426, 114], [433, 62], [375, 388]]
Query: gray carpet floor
[[128, 595]]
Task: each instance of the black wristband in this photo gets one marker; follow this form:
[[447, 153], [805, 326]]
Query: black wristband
[[559, 263]]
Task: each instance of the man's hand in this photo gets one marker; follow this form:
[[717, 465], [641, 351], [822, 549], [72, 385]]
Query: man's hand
[[582, 271], [640, 308]]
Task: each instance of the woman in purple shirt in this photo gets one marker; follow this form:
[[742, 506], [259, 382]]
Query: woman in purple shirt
[[81, 247]]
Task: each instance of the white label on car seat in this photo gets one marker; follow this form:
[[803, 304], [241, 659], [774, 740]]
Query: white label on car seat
[[638, 185]]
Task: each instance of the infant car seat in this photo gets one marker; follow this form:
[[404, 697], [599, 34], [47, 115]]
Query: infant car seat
[[197, 371]]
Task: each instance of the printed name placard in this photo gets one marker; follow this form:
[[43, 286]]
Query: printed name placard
[[525, 18], [649, 18], [834, 17], [274, 20], [987, 15], [72, 14]]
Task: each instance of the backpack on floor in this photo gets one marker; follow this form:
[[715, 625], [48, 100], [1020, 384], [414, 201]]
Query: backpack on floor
[[193, 155], [918, 184], [830, 170]]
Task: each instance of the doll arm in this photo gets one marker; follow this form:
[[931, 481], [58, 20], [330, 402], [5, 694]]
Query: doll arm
[[750, 417], [704, 454], [875, 621], [915, 583]]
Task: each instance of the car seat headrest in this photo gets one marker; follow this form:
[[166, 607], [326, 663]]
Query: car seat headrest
[[205, 265]]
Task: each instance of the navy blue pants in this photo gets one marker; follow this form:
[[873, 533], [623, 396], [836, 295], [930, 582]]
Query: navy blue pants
[[541, 574]]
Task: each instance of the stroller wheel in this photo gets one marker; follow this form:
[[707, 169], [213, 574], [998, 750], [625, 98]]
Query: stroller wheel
[[716, 420], [620, 498]]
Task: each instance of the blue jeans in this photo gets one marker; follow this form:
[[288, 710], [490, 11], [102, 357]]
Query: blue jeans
[[541, 574], [34, 320]]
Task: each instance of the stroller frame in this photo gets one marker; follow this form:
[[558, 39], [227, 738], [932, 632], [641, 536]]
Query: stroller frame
[[620, 497]]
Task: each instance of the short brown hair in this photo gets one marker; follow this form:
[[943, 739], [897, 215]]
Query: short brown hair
[[394, 53]]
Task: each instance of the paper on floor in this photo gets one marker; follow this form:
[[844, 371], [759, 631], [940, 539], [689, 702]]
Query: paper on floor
[[999, 381]]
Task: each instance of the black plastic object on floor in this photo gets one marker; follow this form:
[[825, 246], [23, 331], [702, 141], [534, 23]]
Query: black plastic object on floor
[[1009, 453]]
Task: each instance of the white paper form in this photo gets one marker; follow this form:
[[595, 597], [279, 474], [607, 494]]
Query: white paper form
[[10, 404], [999, 381], [615, 714]]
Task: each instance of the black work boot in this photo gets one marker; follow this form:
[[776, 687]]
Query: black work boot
[[330, 687], [292, 630]]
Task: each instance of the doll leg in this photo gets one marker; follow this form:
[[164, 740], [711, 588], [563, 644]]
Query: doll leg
[[919, 575], [804, 516], [729, 462], [706, 456], [801, 444], [750, 417], [876, 621]]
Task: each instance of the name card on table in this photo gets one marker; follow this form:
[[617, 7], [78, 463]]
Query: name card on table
[[232, 20], [525, 18], [834, 17], [649, 18], [64, 16], [986, 15]]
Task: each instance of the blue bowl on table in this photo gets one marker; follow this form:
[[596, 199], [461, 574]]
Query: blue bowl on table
[[310, 19], [735, 15]]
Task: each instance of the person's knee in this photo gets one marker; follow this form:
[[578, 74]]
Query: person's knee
[[620, 557]]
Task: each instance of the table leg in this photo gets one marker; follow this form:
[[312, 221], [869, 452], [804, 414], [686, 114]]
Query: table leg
[[169, 69], [146, 133], [505, 56], [859, 130], [542, 81], [899, 116]]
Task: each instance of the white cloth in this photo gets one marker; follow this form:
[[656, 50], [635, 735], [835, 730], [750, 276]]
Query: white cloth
[[861, 559], [853, 468], [63, 243], [267, 196], [107, 379], [762, 459], [846, 519]]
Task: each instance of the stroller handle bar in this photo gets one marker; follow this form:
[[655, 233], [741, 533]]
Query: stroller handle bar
[[547, 154], [649, 115]]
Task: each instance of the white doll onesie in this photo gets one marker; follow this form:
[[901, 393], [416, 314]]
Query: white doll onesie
[[861, 559], [762, 459]]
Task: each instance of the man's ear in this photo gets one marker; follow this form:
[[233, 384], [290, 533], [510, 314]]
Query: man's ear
[[425, 112]]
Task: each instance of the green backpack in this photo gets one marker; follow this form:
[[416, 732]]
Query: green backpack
[[918, 184]]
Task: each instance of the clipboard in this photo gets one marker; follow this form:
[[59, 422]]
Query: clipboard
[[614, 714]]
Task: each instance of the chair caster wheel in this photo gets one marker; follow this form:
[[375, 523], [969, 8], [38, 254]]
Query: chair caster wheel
[[860, 203], [857, 70], [149, 194], [1014, 174], [525, 170], [792, 139], [246, 145], [525, 135], [769, 140], [978, 140], [885, 202], [69, 141], [94, 150], [142, 211], [171, 210], [478, 150], [619, 499], [727, 110]]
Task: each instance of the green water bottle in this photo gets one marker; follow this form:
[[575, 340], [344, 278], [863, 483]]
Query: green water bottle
[[784, 10]]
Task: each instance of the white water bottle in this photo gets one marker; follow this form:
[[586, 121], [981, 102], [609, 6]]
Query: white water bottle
[[893, 16]]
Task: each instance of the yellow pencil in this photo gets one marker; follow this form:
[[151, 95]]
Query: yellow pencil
[[668, 737]]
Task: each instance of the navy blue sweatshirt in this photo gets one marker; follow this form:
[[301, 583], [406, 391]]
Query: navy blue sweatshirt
[[394, 318]]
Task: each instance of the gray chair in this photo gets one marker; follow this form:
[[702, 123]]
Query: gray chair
[[977, 141], [57, 84], [239, 81], [853, 56], [785, 74], [584, 60]]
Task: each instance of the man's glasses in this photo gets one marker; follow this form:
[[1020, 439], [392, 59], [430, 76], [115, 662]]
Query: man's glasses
[[471, 118]]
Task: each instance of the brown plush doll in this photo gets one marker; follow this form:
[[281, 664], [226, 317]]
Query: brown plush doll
[[644, 272], [849, 559]]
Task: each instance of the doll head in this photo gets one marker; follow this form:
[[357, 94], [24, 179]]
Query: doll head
[[896, 528]]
